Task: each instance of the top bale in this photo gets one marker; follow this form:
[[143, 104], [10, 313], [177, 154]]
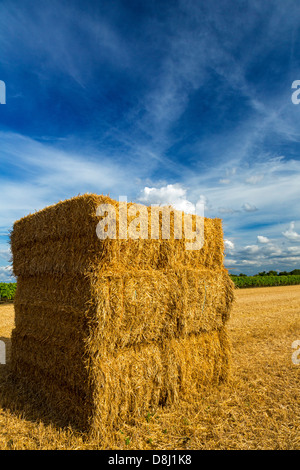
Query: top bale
[[96, 233]]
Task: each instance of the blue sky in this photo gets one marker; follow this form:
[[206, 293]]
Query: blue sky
[[168, 102]]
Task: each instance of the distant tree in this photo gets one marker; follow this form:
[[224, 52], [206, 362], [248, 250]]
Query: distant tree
[[283, 273], [263, 273], [272, 273], [295, 272], [242, 275]]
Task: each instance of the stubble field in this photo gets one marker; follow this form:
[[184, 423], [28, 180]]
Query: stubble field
[[258, 409]]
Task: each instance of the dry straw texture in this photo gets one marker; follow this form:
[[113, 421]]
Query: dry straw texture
[[109, 329]]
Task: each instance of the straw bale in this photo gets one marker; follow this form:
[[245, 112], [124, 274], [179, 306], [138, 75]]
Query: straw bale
[[81, 255], [62, 363], [124, 308], [118, 386], [126, 384], [63, 239], [63, 324], [193, 362], [132, 382], [153, 306], [69, 405], [67, 293], [108, 329]]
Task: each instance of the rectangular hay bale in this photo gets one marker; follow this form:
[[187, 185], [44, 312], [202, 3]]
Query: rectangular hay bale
[[62, 239], [125, 308], [108, 329]]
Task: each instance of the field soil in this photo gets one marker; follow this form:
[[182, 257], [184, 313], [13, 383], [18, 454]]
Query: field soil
[[257, 409]]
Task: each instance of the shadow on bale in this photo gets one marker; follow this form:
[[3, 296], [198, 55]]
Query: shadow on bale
[[18, 397]]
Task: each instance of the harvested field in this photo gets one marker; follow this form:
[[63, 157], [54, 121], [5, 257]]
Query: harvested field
[[257, 409]]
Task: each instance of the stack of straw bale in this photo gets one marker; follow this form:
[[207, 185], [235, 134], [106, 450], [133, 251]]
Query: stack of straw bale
[[107, 330]]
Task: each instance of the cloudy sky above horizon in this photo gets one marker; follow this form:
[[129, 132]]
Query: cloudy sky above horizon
[[169, 102]]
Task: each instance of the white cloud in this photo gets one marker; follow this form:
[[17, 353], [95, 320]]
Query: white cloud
[[5, 252], [229, 245], [190, 51], [276, 200], [231, 171], [262, 239], [50, 174], [249, 262], [224, 181], [230, 262], [163, 195], [254, 179], [172, 194], [6, 274], [291, 234], [266, 255], [295, 250], [249, 207], [251, 249], [226, 210]]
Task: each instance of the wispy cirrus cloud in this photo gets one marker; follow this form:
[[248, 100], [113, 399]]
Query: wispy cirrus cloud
[[45, 174], [96, 39], [165, 102]]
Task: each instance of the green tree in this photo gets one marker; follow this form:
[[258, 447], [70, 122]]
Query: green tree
[[295, 272]]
